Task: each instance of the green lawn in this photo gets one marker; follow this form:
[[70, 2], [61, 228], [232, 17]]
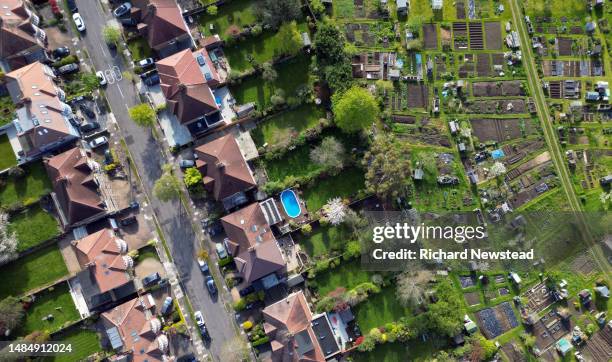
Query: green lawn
[[7, 111], [296, 162], [287, 124], [58, 303], [28, 190], [323, 239], [7, 156], [344, 8], [147, 252], [139, 48], [379, 309], [236, 12], [348, 275], [33, 226], [291, 75], [343, 185], [415, 350], [84, 343], [555, 8], [262, 48], [32, 271]]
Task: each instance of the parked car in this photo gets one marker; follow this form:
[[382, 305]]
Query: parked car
[[186, 163], [199, 319], [152, 80], [88, 127], [146, 63], [148, 74], [98, 142], [246, 291], [122, 9], [128, 22], [101, 78], [75, 122], [108, 157], [151, 279], [60, 52], [88, 112], [78, 21], [167, 306], [128, 220], [68, 68], [134, 205], [221, 250], [210, 284], [203, 266], [72, 6], [215, 228]]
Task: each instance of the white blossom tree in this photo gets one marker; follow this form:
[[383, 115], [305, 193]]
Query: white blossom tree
[[8, 241], [334, 211], [498, 169]]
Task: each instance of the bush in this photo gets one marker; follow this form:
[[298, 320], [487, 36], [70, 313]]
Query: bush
[[240, 305], [247, 325], [306, 229], [226, 261], [67, 60], [261, 341]]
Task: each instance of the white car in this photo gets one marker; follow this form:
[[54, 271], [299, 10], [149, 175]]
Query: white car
[[98, 142], [146, 63], [78, 21], [101, 77]]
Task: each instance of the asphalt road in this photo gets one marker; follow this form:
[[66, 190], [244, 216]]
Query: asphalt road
[[148, 158], [550, 135]]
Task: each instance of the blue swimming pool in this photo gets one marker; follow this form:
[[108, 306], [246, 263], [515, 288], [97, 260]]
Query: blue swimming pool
[[290, 203]]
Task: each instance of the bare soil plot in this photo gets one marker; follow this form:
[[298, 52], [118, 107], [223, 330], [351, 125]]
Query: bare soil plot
[[576, 30], [541, 159], [418, 95], [497, 320], [472, 298], [498, 59], [549, 329], [504, 106], [403, 119], [599, 347], [564, 46], [430, 35], [491, 294], [460, 6], [460, 35], [514, 352], [467, 281], [497, 89], [483, 65], [440, 68], [584, 264], [466, 69], [445, 36], [493, 35], [476, 36], [539, 298], [498, 130]]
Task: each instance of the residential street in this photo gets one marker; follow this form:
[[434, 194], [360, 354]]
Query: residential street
[[148, 159]]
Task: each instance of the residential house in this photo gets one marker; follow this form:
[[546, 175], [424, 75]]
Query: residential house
[[187, 82], [21, 40], [106, 269], [75, 189], [134, 331], [42, 124], [162, 24], [296, 334], [252, 244], [227, 175]]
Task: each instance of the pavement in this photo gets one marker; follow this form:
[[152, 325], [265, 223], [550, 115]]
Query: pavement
[[546, 120], [174, 218]]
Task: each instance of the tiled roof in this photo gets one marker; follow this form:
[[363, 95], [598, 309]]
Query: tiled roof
[[259, 261], [222, 160], [163, 19], [73, 185], [247, 228], [16, 31]]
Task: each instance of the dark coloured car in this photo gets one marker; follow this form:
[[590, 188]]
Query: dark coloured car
[[148, 74], [246, 291], [199, 319], [151, 279], [203, 266], [210, 284], [88, 127], [128, 220], [167, 306], [108, 157], [72, 6], [152, 80], [128, 22], [87, 111], [186, 163], [68, 69], [61, 52]]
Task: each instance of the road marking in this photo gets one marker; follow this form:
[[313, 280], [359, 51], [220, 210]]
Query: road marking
[[110, 76], [118, 73], [102, 47], [120, 92]]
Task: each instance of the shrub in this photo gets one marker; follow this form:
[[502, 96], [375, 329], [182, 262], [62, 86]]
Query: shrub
[[306, 229], [247, 325], [240, 304], [226, 261], [261, 341]]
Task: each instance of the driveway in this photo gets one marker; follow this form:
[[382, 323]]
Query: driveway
[[148, 158]]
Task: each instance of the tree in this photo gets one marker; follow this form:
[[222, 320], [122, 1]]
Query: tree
[[445, 317], [268, 73], [192, 177], [339, 76], [111, 34], [273, 12], [143, 115], [328, 44], [235, 350], [409, 291], [355, 109], [334, 211], [329, 154], [387, 168], [289, 39], [8, 240], [167, 187], [498, 169], [11, 313], [317, 7], [212, 10]]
